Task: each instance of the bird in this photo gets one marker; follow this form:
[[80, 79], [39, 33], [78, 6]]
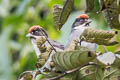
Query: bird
[[36, 31], [79, 25]]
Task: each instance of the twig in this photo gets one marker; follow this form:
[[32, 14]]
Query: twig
[[81, 39], [70, 71], [105, 49], [63, 74]]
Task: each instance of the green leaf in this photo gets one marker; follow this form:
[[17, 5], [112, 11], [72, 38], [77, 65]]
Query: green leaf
[[117, 61], [39, 77], [112, 73], [111, 12], [90, 72], [68, 60], [61, 14], [100, 37], [89, 5]]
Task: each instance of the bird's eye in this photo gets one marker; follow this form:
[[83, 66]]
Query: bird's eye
[[82, 19], [35, 32]]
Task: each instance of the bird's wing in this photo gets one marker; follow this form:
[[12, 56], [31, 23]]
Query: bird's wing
[[56, 44], [75, 34]]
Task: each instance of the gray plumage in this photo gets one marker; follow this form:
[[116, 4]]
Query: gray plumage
[[57, 46], [76, 33]]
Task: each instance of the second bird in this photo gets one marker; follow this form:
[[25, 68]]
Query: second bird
[[80, 24]]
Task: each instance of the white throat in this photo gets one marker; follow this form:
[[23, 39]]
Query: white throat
[[37, 51]]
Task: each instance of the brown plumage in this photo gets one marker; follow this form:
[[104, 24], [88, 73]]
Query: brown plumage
[[83, 16]]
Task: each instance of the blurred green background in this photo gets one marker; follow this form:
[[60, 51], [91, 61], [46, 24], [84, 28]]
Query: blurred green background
[[17, 16]]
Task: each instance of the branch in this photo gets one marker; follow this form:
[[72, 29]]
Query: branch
[[48, 40]]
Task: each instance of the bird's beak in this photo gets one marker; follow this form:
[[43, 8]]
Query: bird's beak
[[88, 22], [30, 35]]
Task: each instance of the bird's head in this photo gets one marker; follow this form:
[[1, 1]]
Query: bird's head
[[81, 19], [35, 31]]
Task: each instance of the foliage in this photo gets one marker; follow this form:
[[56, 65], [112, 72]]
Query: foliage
[[16, 16]]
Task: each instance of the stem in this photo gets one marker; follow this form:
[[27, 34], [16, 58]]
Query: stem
[[48, 40], [70, 71], [105, 49]]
